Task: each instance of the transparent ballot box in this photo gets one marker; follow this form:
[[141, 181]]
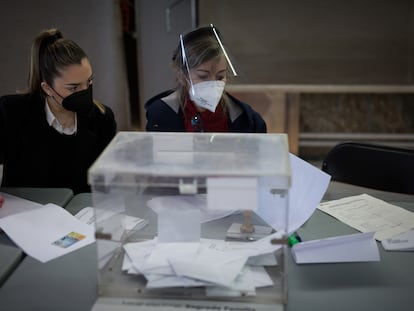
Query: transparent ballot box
[[198, 217]]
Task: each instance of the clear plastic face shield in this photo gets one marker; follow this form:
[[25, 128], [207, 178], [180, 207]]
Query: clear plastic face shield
[[206, 65]]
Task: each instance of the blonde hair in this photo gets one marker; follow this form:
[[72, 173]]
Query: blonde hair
[[201, 46]]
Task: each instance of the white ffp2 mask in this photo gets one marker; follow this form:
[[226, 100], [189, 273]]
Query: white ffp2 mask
[[207, 94]]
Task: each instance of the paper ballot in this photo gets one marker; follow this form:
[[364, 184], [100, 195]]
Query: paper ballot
[[368, 214], [348, 248], [208, 262], [47, 232], [307, 189]]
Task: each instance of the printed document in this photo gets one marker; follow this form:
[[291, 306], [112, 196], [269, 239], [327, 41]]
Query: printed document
[[368, 214]]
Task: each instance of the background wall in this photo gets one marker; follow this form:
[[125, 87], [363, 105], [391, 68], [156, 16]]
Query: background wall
[[94, 24], [159, 24], [317, 42], [324, 42]]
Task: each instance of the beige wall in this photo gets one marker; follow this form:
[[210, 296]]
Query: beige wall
[[324, 42], [318, 41]]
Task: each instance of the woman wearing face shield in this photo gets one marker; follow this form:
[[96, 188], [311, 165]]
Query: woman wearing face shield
[[200, 104], [52, 133]]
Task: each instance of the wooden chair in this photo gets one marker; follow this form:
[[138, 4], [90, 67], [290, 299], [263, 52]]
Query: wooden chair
[[373, 166]]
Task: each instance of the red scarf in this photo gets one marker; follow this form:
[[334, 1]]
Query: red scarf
[[205, 121]]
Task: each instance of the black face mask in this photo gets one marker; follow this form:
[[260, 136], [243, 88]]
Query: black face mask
[[80, 102]]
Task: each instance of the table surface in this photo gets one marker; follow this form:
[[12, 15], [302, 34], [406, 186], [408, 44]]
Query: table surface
[[70, 282], [58, 196], [10, 257]]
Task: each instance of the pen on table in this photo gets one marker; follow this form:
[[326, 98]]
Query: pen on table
[[293, 239]]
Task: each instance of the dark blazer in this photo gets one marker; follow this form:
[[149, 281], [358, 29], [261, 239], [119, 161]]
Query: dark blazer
[[34, 154], [164, 114]]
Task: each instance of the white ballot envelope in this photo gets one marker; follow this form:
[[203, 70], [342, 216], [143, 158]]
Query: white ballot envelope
[[47, 232], [401, 242], [357, 247]]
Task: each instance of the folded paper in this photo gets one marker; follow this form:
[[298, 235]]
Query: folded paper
[[401, 242], [357, 247]]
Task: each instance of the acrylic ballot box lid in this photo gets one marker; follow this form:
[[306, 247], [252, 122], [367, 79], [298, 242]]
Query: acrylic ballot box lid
[[132, 154]]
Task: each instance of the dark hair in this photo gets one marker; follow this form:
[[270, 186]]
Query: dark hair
[[50, 54]]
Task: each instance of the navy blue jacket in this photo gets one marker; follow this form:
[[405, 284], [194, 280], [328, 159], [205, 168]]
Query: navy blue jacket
[[164, 114]]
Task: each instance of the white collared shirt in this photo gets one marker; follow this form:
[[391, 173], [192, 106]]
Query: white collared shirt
[[51, 119]]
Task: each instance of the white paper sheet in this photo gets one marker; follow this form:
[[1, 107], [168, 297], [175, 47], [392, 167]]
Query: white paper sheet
[[210, 266], [47, 232], [139, 251], [162, 281], [245, 284], [366, 213], [221, 262], [209, 262], [308, 186], [262, 260], [401, 242], [357, 247], [158, 260]]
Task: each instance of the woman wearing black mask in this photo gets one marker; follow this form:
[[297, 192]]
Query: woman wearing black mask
[[53, 132]]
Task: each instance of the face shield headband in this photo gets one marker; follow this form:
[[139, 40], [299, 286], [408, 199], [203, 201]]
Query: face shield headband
[[206, 94]]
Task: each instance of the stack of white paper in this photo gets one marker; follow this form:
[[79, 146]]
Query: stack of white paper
[[223, 267]]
